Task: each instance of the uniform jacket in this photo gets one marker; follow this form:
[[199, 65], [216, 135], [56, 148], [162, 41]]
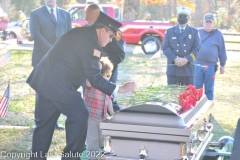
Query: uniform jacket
[[186, 45], [73, 59], [115, 51], [45, 32]]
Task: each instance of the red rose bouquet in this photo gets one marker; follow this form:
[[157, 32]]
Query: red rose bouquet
[[189, 98]]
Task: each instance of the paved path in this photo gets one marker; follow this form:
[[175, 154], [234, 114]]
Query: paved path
[[135, 49], [13, 127], [11, 44]]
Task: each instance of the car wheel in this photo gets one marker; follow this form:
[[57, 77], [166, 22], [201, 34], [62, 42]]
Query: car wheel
[[150, 45], [12, 36]]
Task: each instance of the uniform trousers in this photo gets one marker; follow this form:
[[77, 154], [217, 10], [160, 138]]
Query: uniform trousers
[[205, 76], [180, 80], [113, 79], [95, 138], [46, 114], [236, 144]]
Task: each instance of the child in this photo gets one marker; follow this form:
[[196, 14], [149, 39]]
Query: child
[[97, 103]]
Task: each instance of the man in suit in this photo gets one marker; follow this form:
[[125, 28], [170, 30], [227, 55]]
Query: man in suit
[[113, 50], [181, 45], [73, 59], [47, 24]]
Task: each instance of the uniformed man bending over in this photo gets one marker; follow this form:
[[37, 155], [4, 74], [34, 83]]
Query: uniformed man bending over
[[113, 50], [181, 45], [73, 59]]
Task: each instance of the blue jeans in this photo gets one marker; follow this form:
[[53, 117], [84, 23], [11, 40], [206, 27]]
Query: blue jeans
[[205, 76]]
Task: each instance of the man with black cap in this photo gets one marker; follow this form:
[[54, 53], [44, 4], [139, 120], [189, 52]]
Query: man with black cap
[[113, 50], [212, 50], [181, 45], [73, 59]]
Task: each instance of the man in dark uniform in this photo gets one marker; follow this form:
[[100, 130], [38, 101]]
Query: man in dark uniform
[[73, 59], [236, 144], [113, 50], [181, 45]]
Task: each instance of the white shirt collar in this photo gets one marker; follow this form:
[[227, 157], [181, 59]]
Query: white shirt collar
[[182, 28]]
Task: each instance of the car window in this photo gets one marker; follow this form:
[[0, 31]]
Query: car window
[[77, 14], [117, 13], [105, 10], [1, 10]]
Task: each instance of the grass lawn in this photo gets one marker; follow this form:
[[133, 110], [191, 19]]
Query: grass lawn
[[136, 67]]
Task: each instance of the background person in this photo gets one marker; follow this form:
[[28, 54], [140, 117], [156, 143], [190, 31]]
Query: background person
[[98, 103], [73, 59], [212, 50], [181, 45], [148, 18], [47, 24], [113, 50], [21, 15]]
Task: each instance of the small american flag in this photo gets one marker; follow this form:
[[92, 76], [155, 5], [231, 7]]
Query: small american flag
[[5, 59], [4, 102]]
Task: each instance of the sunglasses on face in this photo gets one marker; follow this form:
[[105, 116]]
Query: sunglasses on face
[[111, 36], [107, 75]]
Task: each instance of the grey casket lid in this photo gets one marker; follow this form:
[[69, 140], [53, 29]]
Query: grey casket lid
[[161, 115], [150, 114]]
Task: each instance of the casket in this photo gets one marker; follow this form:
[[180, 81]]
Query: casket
[[155, 131]]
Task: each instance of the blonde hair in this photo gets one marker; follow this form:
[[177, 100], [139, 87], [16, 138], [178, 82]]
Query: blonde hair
[[106, 64]]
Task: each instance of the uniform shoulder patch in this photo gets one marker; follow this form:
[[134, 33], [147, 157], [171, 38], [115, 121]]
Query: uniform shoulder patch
[[193, 56], [118, 36], [96, 53]]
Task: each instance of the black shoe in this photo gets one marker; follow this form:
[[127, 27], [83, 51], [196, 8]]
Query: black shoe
[[116, 106], [59, 126]]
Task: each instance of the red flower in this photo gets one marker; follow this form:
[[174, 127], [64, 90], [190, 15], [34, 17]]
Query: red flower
[[213, 77], [189, 98], [206, 67]]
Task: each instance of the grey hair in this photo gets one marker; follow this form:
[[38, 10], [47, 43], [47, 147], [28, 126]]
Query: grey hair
[[94, 6]]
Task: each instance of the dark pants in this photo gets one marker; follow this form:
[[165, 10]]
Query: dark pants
[[236, 144], [113, 79], [114, 76], [36, 97], [180, 80], [46, 115]]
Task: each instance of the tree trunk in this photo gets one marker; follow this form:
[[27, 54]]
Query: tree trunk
[[169, 10], [131, 10]]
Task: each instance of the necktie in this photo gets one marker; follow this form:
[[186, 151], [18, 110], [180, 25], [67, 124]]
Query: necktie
[[181, 31], [53, 16]]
